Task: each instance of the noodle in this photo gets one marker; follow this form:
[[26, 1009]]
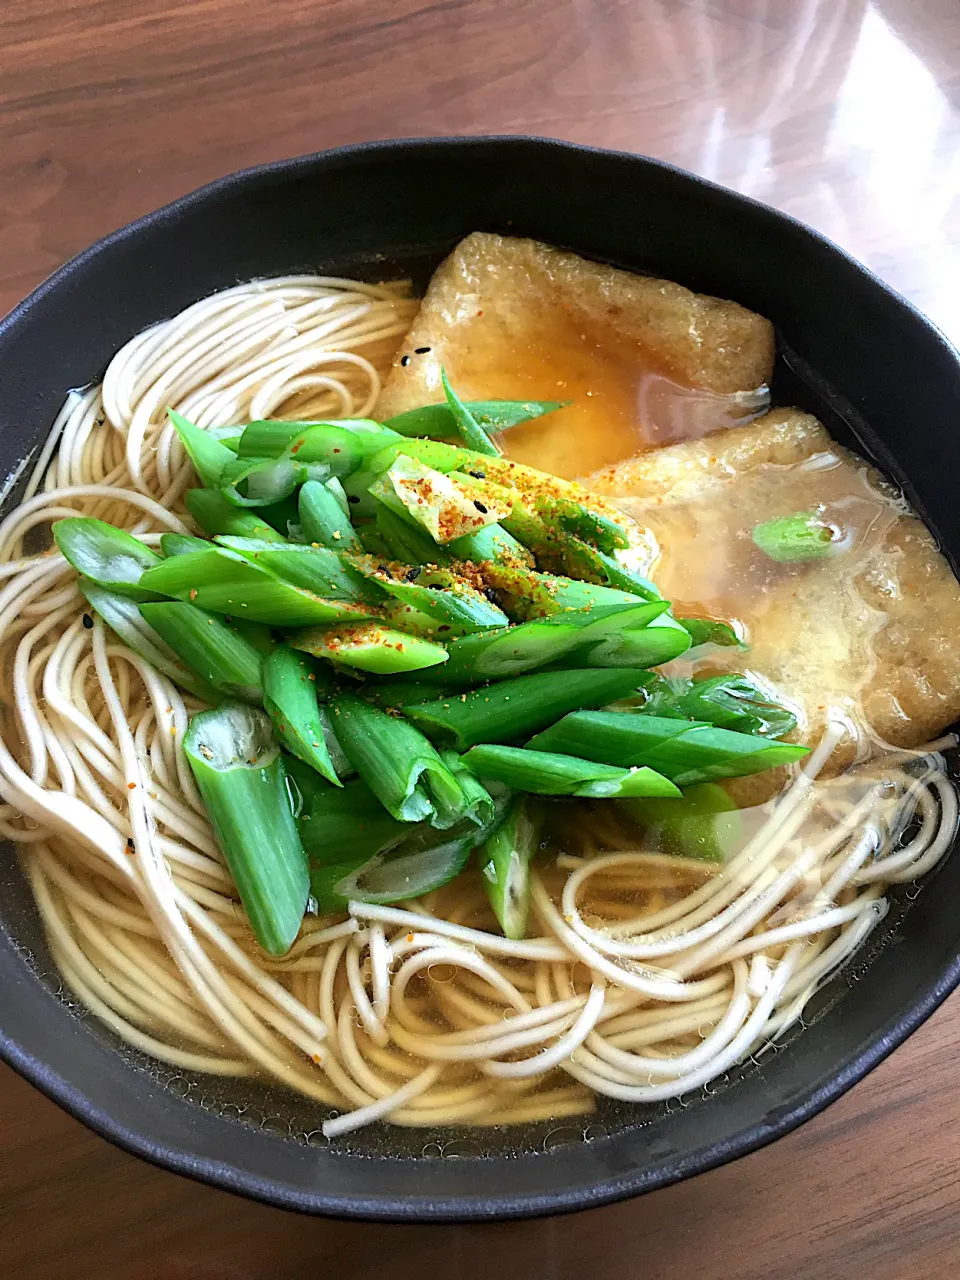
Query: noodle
[[651, 974]]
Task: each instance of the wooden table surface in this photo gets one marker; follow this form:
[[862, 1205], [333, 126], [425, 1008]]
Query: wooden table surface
[[842, 112]]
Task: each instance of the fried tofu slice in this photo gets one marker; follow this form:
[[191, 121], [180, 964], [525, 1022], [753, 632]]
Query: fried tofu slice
[[871, 631], [513, 319]]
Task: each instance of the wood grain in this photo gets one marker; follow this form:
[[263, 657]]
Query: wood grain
[[844, 113]]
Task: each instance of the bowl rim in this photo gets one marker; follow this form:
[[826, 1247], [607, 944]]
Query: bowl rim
[[458, 1208]]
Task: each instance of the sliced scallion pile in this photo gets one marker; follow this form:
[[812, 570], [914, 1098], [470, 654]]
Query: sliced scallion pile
[[435, 634]]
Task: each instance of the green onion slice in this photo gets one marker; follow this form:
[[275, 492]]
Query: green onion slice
[[547, 774], [226, 582], [584, 561], [492, 415], [218, 653], [684, 751], [404, 541], [453, 606], [397, 763], [266, 481], [337, 823], [474, 436], [492, 545], [272, 439], [704, 823], [290, 700], [323, 520], [215, 515], [123, 617], [315, 569], [711, 631], [178, 544], [243, 783], [110, 557], [370, 646], [728, 701], [505, 865], [208, 455], [437, 502], [496, 655], [415, 865], [593, 527], [513, 709], [646, 647], [793, 539]]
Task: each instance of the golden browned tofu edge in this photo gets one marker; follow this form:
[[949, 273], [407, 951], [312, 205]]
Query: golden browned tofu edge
[[701, 341], [779, 437]]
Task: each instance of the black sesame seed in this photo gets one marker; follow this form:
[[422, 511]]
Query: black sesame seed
[[443, 627], [88, 622], [480, 507], [478, 475], [129, 842], [404, 360], [353, 497], [420, 351]]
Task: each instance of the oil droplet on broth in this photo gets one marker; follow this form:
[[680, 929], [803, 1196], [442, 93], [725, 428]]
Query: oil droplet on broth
[[461, 1149], [441, 972], [275, 1125], [564, 1137]]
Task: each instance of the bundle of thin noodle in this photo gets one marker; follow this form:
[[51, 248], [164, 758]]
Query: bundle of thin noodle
[[280, 751]]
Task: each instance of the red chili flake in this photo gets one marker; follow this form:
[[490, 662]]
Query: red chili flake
[[131, 786], [193, 593], [297, 447]]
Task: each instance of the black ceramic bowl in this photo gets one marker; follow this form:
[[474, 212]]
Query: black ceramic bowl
[[850, 350]]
